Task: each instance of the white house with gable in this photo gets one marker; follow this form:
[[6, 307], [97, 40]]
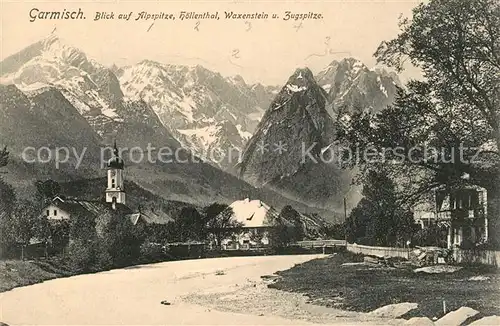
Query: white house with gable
[[257, 218]]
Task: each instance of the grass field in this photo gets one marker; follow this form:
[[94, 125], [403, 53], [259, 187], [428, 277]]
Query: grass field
[[362, 287], [15, 273]]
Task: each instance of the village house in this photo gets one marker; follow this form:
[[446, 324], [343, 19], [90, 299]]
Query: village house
[[462, 211], [256, 218]]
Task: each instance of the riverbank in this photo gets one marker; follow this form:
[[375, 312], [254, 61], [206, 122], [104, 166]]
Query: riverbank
[[174, 293], [225, 291], [343, 281], [16, 273]]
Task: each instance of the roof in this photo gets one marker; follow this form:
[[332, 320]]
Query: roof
[[150, 217], [96, 208], [156, 217], [253, 213], [134, 218]]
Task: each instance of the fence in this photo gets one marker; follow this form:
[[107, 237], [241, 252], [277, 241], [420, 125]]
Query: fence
[[320, 243], [487, 257], [379, 251]]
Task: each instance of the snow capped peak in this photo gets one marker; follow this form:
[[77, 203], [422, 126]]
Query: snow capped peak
[[300, 81], [346, 64], [303, 73], [349, 81], [295, 89], [35, 88], [204, 110]]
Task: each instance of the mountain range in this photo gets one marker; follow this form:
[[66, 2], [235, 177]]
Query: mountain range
[[52, 94], [206, 112]]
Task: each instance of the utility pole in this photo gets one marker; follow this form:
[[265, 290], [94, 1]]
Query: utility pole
[[345, 222]]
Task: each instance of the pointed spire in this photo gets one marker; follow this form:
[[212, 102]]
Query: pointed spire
[[115, 161], [115, 148]]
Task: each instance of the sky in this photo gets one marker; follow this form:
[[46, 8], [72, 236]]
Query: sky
[[266, 51]]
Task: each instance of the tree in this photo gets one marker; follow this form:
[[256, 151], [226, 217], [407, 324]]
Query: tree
[[4, 157], [433, 235], [59, 234], [457, 44], [7, 203], [7, 199], [189, 226], [220, 222], [280, 234], [335, 231], [83, 245], [257, 235], [42, 231], [120, 243], [289, 214], [433, 132], [47, 189], [20, 226], [378, 219]]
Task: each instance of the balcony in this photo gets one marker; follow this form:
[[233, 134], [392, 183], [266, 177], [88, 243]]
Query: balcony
[[461, 214]]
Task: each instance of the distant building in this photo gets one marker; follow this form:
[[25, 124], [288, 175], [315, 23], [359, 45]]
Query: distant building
[[62, 208], [115, 192], [462, 211]]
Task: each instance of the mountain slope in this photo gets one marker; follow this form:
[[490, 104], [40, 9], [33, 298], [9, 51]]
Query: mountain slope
[[206, 112], [91, 88], [36, 125], [289, 150]]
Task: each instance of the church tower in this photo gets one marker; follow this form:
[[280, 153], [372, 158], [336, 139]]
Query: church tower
[[115, 192]]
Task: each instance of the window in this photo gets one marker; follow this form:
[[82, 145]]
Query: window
[[112, 183], [48, 212], [480, 198], [55, 212], [475, 201]]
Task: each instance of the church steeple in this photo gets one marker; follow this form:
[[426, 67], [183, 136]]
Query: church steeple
[[116, 161], [115, 192]]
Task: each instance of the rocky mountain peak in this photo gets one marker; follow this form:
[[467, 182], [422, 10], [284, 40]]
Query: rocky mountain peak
[[300, 80], [238, 80], [296, 120], [353, 87]]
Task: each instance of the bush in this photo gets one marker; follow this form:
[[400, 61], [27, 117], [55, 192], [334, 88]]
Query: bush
[[82, 256], [151, 252]]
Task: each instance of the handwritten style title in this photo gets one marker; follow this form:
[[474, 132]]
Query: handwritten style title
[[36, 14]]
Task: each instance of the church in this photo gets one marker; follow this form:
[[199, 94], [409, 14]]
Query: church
[[61, 208]]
